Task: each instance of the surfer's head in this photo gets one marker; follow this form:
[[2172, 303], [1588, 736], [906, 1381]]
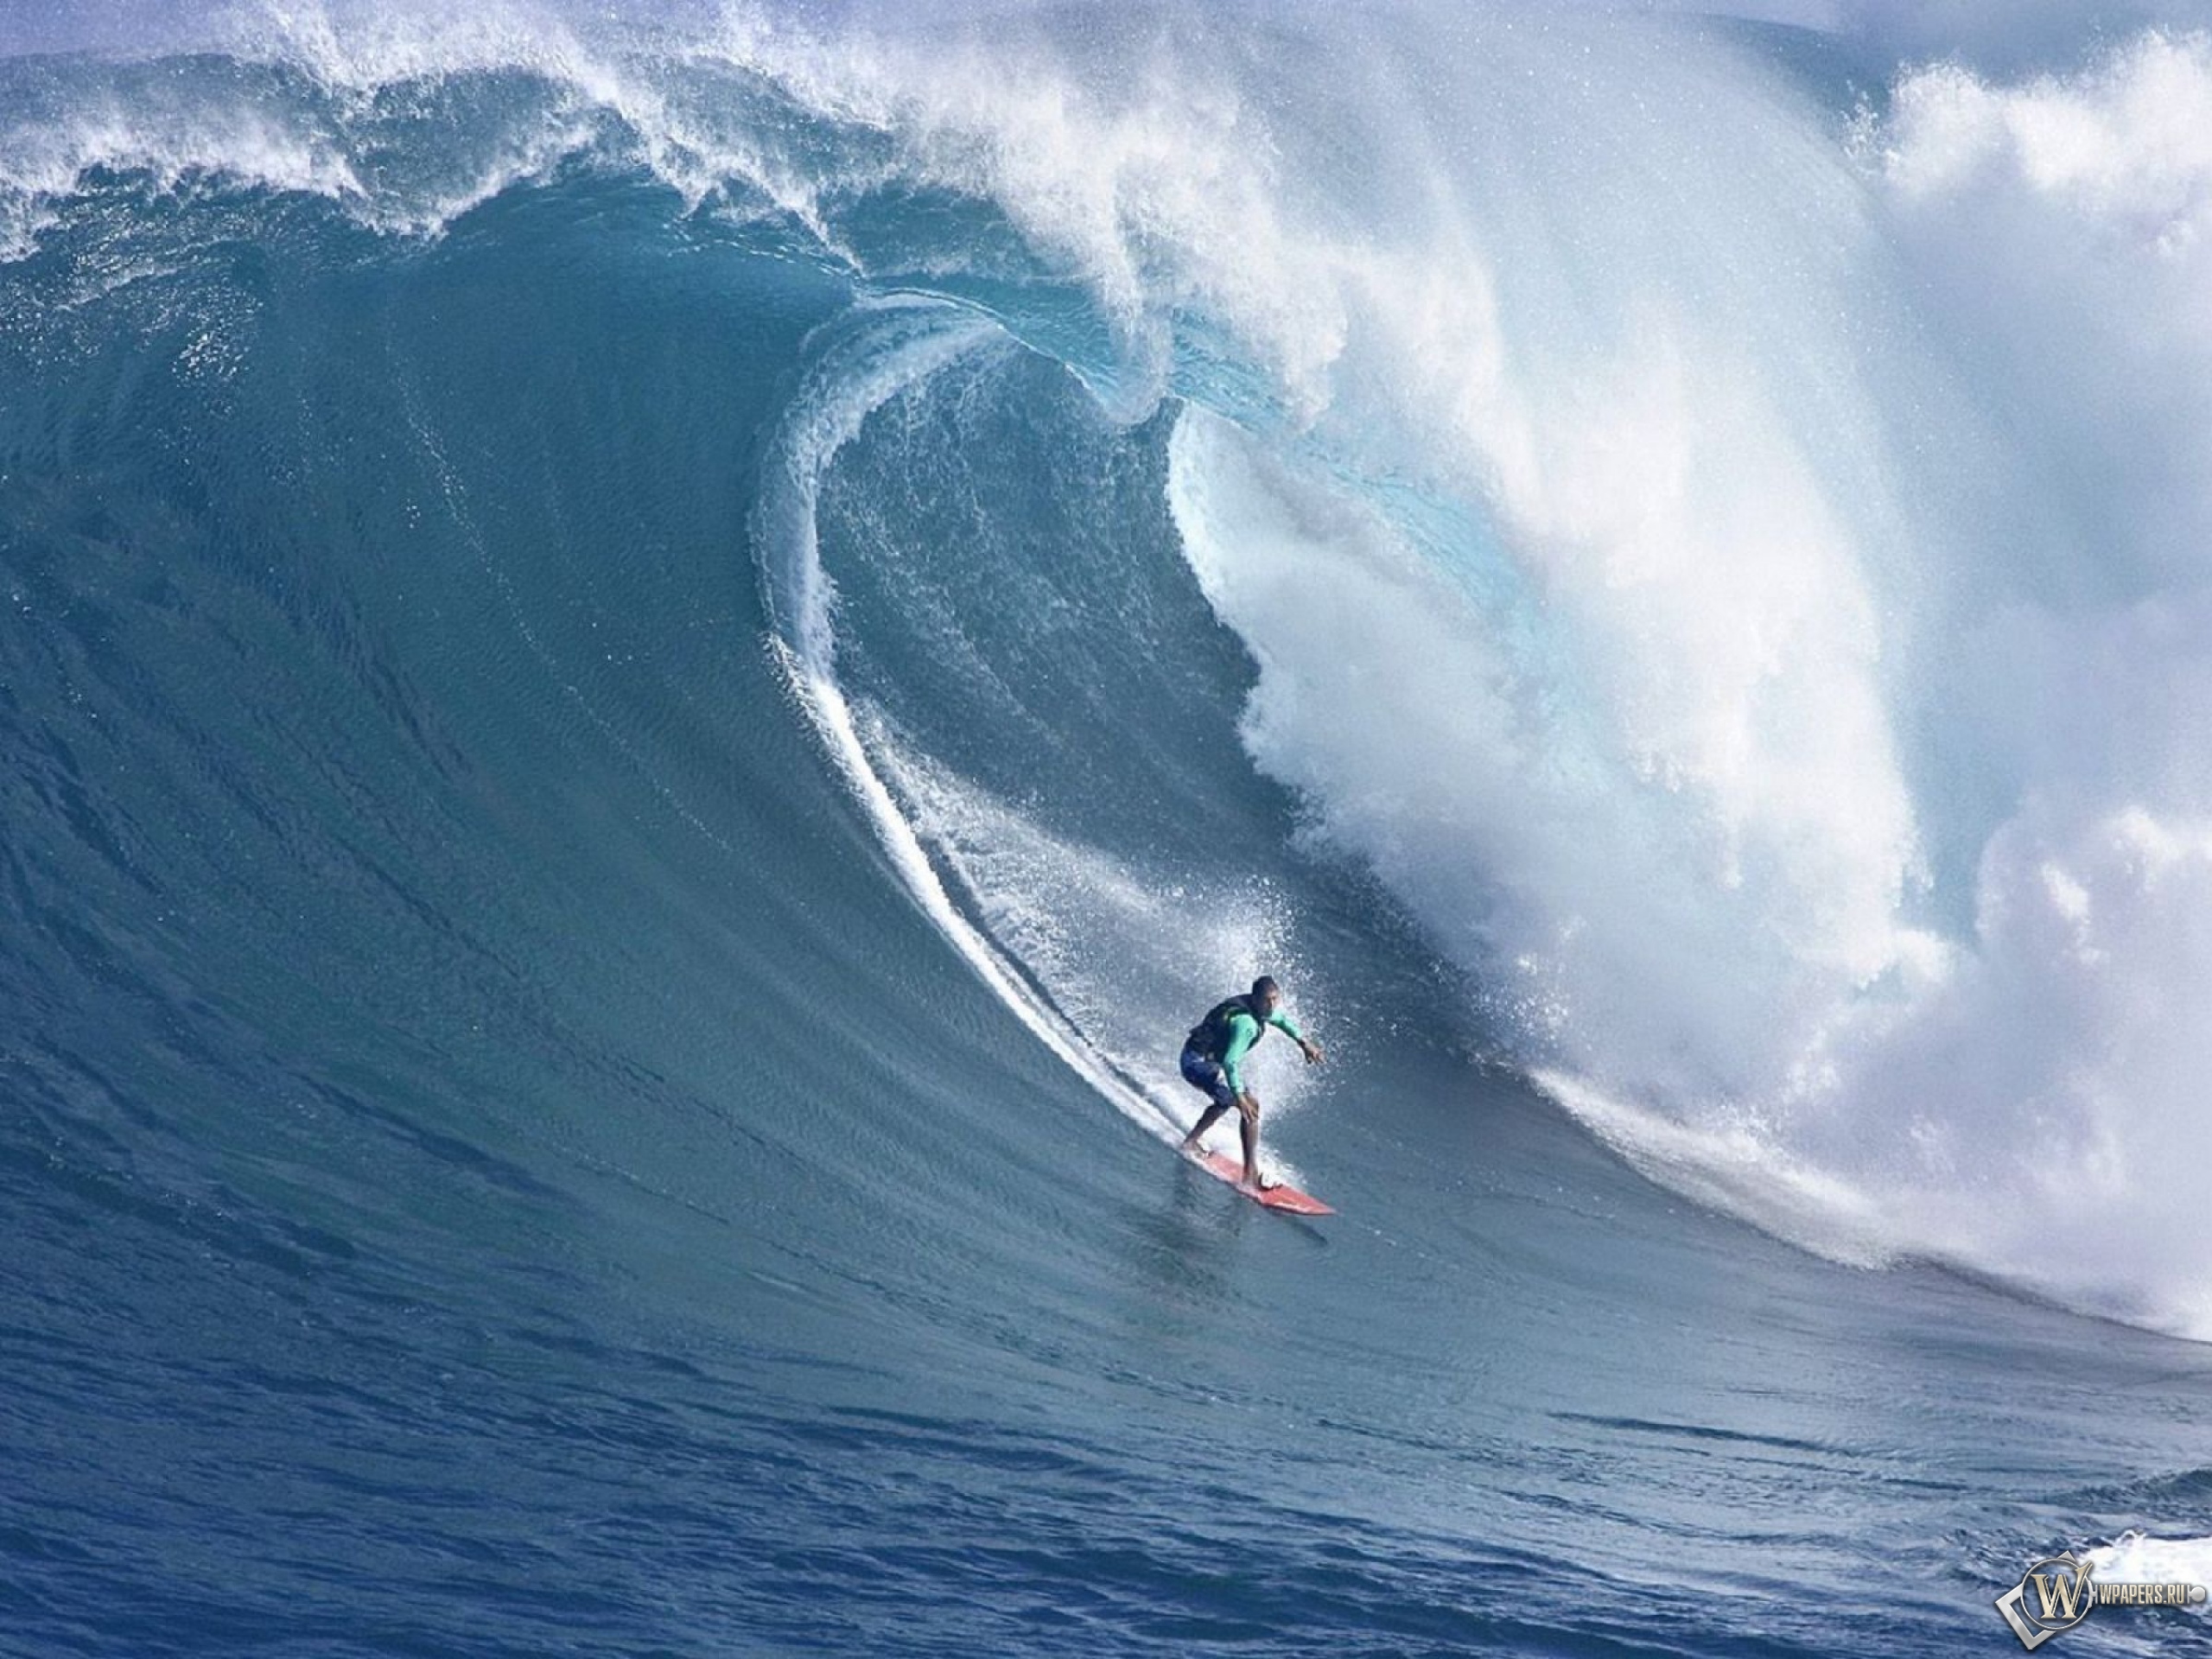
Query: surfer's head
[[1265, 993]]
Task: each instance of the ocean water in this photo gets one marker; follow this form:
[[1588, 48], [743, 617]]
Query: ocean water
[[649, 664]]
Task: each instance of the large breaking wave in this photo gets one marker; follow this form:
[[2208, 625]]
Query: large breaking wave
[[1722, 540]]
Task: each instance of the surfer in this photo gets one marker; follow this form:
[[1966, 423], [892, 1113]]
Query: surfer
[[1213, 1064]]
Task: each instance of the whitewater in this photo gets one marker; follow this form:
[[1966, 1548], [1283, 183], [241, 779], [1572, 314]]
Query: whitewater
[[651, 663]]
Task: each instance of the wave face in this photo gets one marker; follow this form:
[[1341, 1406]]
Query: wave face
[[649, 670]]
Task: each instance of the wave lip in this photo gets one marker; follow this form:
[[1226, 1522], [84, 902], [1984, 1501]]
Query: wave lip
[[879, 351]]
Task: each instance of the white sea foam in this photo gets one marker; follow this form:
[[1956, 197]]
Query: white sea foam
[[2138, 1558], [1736, 1165], [1784, 661]]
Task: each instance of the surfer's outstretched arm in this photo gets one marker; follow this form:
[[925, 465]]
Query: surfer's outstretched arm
[[1285, 1024]]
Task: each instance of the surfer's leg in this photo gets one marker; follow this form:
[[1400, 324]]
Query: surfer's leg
[[1206, 1075], [1248, 1128], [1207, 1119]]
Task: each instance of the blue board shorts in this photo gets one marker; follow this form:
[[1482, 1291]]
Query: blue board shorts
[[1205, 1075]]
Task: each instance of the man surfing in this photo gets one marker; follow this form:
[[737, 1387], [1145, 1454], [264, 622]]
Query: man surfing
[[1213, 1064]]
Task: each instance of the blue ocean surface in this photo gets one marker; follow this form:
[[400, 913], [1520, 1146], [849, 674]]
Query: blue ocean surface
[[649, 666]]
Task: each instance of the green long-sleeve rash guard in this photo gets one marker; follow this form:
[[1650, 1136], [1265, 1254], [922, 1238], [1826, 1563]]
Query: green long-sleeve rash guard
[[1243, 1032]]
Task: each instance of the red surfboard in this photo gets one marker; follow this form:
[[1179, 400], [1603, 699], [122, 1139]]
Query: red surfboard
[[1289, 1200]]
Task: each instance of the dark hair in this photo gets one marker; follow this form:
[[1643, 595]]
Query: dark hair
[[1263, 984]]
